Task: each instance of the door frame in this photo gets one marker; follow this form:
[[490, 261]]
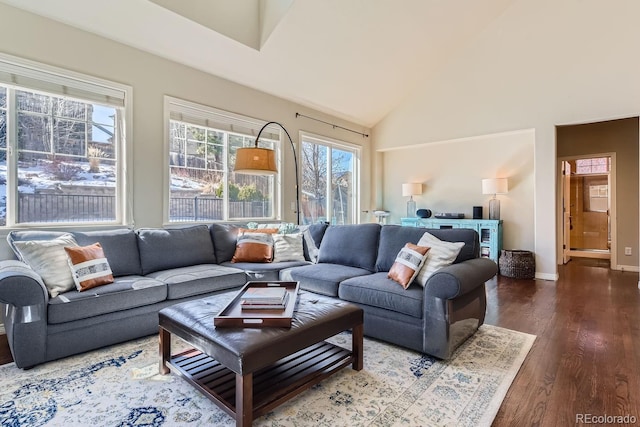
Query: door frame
[[613, 250]]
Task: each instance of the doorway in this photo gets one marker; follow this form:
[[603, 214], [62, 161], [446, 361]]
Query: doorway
[[588, 196], [619, 139]]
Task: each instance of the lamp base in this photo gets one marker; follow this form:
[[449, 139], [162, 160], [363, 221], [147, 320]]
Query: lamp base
[[494, 209], [411, 208]]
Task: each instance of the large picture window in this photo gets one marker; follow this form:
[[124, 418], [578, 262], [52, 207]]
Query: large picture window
[[330, 174], [202, 145], [61, 137]]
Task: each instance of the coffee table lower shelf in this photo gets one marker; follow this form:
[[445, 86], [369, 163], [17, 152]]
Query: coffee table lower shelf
[[270, 386]]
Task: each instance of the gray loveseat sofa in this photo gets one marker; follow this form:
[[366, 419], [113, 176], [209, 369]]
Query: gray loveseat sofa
[[434, 319], [154, 268]]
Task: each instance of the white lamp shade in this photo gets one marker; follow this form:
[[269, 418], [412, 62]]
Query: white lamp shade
[[411, 189], [495, 186]]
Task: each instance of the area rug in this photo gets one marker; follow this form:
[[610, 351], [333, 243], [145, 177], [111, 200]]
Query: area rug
[[120, 386]]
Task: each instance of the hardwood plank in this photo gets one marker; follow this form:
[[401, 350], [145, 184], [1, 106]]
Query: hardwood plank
[[586, 356], [5, 352]]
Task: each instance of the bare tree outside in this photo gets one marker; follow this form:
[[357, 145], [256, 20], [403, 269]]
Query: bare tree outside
[[201, 162], [317, 183], [61, 143]]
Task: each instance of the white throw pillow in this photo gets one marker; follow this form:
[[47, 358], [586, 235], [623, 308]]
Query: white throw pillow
[[49, 259], [440, 255], [312, 249], [288, 247]]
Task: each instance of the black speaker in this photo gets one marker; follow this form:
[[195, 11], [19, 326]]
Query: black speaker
[[423, 213], [477, 212]]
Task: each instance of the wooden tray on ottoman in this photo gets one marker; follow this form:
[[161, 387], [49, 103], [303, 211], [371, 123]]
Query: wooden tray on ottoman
[[233, 316]]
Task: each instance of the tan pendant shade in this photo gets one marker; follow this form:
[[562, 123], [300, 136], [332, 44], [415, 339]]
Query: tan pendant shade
[[256, 161]]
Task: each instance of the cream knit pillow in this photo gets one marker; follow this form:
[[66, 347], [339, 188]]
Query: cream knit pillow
[[440, 255], [49, 259]]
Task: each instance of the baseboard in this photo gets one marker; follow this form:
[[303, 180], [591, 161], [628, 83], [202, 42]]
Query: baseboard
[[631, 268], [547, 276]]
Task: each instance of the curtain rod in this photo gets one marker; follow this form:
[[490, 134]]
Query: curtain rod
[[364, 135]]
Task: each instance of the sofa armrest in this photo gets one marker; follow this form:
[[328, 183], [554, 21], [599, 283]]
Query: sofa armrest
[[25, 316], [20, 286], [458, 279]]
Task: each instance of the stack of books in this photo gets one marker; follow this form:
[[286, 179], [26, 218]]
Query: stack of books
[[268, 298]]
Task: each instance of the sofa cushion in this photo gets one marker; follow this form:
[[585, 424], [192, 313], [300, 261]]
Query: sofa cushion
[[392, 240], [199, 279], [120, 246], [377, 290], [49, 259], [163, 249], [224, 237], [89, 267], [408, 263], [266, 271], [323, 278], [124, 293], [351, 245]]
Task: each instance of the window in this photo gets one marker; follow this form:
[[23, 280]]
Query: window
[[597, 165], [330, 176], [61, 137], [202, 144]]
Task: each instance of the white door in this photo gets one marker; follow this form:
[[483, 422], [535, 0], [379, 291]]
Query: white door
[[566, 210]]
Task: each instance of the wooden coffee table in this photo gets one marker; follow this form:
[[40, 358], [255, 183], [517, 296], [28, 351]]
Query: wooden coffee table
[[249, 371]]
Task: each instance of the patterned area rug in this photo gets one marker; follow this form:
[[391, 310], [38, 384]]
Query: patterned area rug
[[120, 386]]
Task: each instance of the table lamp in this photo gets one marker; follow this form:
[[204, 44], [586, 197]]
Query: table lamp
[[411, 189], [494, 186]]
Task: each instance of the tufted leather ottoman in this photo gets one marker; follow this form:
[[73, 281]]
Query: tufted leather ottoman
[[249, 371]]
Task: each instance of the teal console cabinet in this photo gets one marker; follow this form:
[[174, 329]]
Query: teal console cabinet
[[489, 231]]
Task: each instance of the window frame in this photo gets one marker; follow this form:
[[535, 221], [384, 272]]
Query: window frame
[[18, 74], [332, 143], [198, 114]]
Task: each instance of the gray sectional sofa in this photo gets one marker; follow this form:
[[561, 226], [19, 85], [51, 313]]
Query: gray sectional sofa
[[154, 268]]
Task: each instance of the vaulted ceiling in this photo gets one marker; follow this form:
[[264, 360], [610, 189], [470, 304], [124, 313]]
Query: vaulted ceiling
[[355, 59]]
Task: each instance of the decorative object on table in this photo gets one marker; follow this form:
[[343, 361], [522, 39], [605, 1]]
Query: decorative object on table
[[265, 298], [449, 215], [494, 186], [234, 316], [411, 189], [423, 213], [262, 161], [477, 212], [381, 216], [517, 264]]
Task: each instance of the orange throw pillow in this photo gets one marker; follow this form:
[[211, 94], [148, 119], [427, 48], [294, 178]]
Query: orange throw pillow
[[408, 263], [254, 245], [89, 266]]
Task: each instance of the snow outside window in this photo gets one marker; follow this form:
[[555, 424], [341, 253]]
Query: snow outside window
[[202, 145], [59, 155]]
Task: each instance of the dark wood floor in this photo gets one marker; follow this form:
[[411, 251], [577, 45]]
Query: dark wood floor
[[586, 357]]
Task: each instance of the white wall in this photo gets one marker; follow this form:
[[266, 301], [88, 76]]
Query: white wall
[[455, 185], [543, 63], [36, 38]]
